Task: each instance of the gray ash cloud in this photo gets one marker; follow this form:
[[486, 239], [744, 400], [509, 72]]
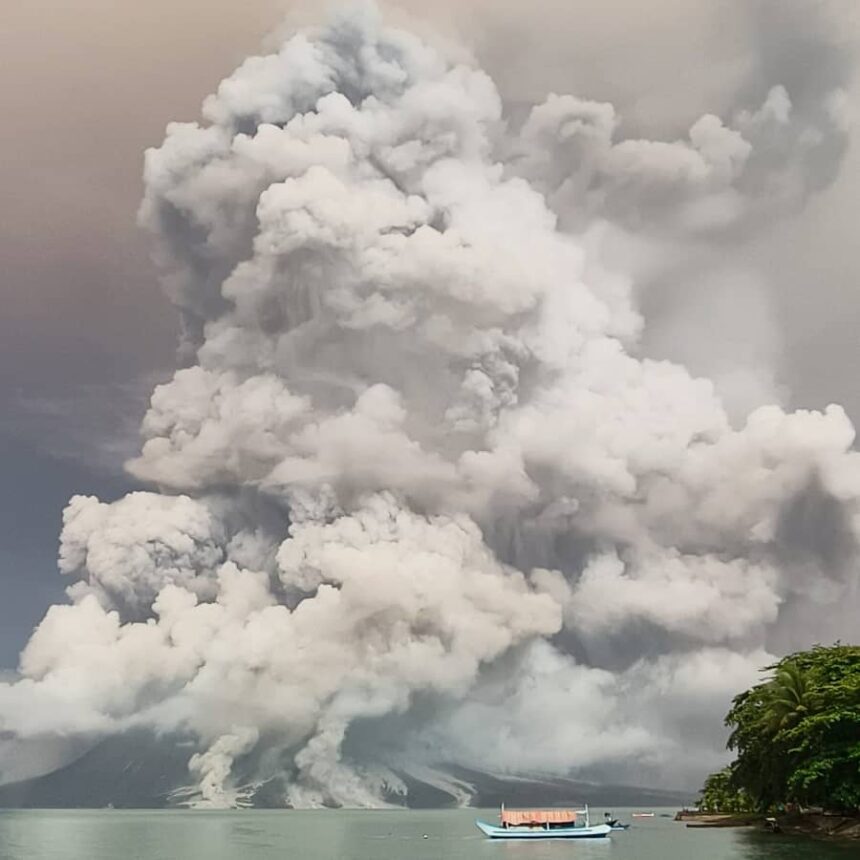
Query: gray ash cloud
[[418, 495]]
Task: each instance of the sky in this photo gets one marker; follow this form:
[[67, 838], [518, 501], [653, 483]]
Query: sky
[[83, 318], [768, 309]]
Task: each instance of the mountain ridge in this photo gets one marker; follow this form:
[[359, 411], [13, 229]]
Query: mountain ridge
[[143, 771]]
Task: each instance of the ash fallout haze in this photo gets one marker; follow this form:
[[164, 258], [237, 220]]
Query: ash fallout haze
[[497, 438]]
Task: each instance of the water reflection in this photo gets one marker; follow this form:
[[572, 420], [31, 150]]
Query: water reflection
[[769, 846]]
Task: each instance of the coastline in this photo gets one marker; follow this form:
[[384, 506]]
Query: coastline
[[820, 825]]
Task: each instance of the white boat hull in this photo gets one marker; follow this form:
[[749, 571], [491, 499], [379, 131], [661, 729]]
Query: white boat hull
[[597, 831]]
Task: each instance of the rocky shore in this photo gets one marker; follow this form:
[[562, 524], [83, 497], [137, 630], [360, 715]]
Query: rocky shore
[[822, 825]]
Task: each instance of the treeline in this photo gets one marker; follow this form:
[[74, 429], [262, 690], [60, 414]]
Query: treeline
[[796, 737]]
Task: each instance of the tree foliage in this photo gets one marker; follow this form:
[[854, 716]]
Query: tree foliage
[[797, 734], [720, 795]]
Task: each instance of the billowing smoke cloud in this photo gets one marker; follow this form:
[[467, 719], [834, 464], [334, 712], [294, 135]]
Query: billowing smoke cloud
[[418, 495]]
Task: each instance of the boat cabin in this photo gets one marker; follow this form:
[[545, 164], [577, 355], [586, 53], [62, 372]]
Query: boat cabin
[[542, 819]]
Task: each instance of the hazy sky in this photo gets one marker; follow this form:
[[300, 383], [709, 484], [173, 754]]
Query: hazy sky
[[87, 87], [769, 315]]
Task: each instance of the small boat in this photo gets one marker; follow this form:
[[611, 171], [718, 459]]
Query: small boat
[[642, 815], [614, 823], [544, 824]]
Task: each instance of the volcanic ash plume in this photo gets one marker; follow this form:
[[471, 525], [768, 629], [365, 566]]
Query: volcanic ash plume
[[418, 498]]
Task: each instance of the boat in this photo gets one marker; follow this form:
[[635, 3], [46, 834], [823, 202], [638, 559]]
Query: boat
[[642, 815], [544, 824], [614, 823]]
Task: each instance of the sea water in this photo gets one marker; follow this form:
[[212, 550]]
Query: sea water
[[366, 835]]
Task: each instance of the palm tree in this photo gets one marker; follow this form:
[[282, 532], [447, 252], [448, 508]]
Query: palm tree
[[788, 700]]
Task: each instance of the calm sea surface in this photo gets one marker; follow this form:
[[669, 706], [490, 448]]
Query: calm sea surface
[[362, 835]]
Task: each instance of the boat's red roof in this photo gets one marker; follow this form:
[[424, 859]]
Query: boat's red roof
[[537, 816]]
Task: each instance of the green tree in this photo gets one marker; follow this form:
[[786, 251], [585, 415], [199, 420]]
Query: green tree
[[797, 734], [720, 795], [825, 741]]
